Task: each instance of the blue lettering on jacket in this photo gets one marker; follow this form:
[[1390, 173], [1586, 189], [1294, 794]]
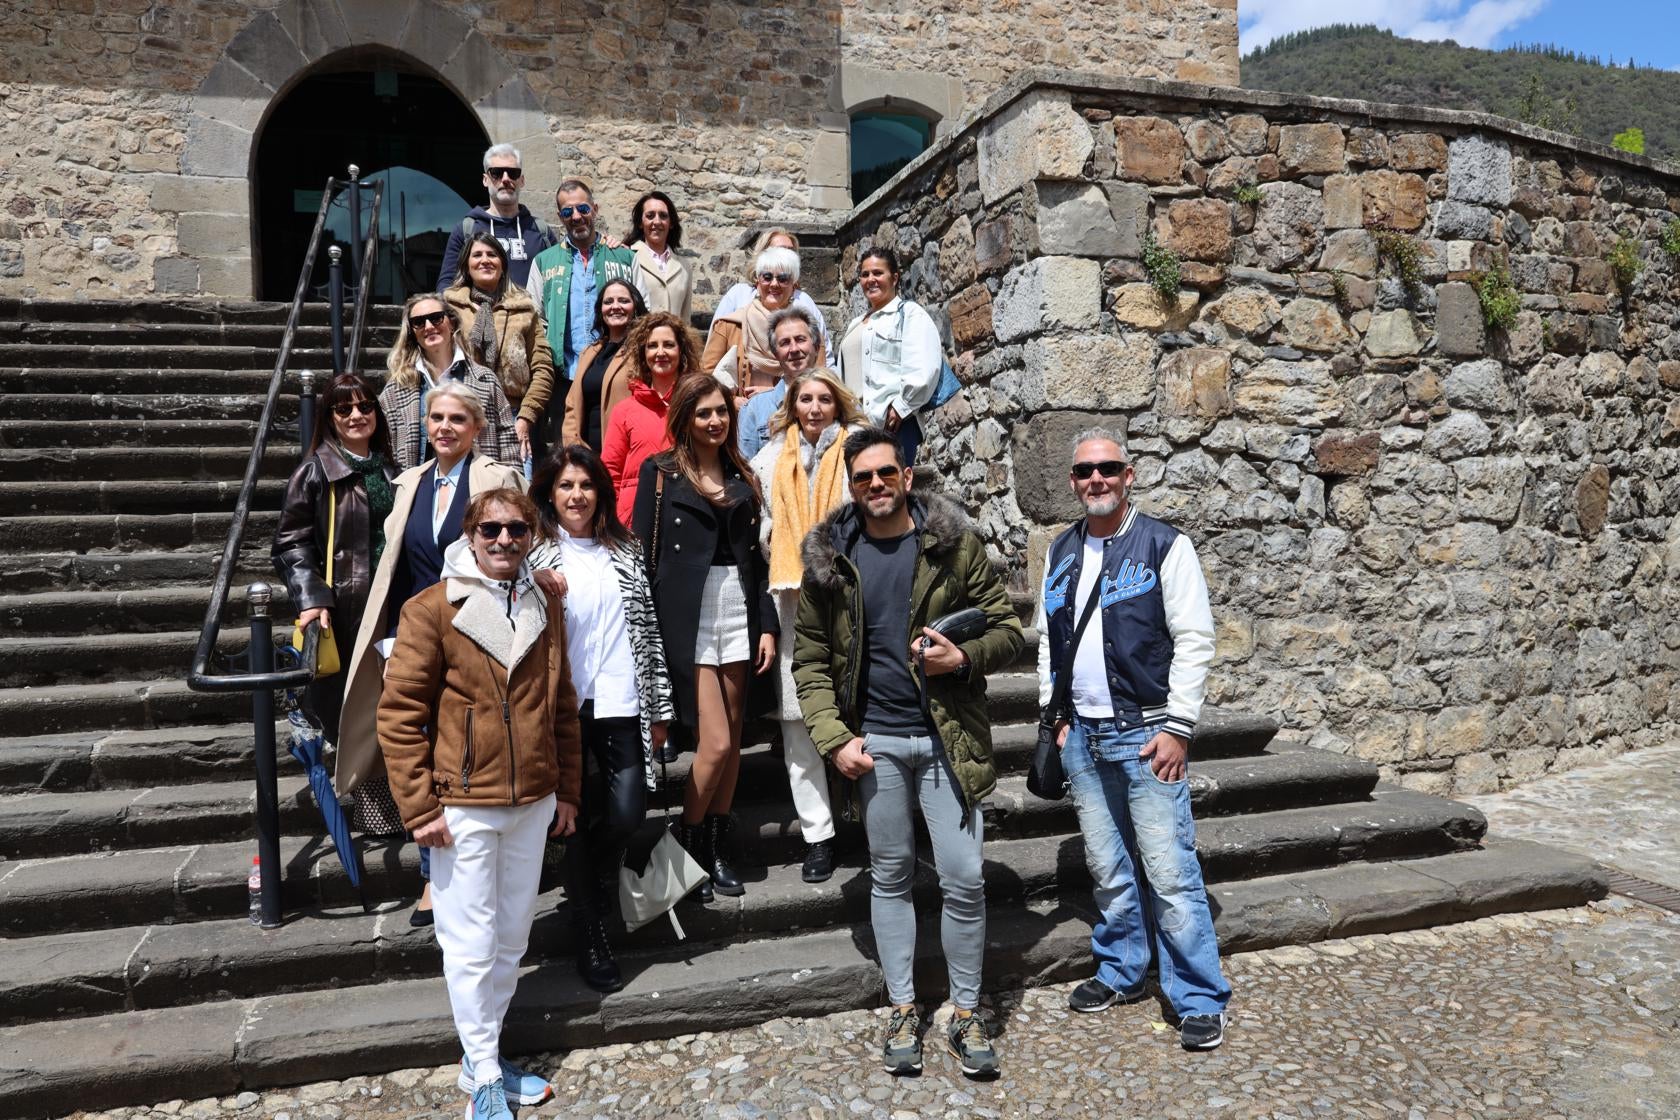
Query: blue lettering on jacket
[[1055, 598], [1132, 580]]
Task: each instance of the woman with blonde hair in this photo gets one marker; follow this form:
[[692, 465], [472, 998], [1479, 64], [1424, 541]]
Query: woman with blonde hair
[[663, 350], [802, 473], [428, 354]]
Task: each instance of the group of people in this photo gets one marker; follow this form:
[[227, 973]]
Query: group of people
[[564, 542]]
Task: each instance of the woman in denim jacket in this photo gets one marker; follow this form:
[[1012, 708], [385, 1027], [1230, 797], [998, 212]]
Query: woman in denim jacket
[[890, 356]]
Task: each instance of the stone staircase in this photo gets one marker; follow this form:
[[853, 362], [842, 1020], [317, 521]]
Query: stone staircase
[[128, 971]]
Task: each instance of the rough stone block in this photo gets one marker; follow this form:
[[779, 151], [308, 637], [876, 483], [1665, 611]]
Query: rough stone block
[[1311, 324], [1417, 151], [233, 96], [1345, 455], [1592, 499], [1459, 329], [1458, 436], [1094, 371], [1149, 149], [1075, 219], [1247, 311], [265, 50], [1602, 374], [209, 235], [1289, 224], [1344, 202], [1198, 229], [200, 194], [994, 244], [1479, 386], [971, 316], [1301, 394], [1393, 334], [1048, 293], [1352, 251], [316, 26], [11, 261], [1039, 137], [1040, 456], [216, 148], [1311, 149], [175, 274], [1479, 171], [1491, 489], [1140, 305], [1195, 384], [1206, 141], [1394, 200], [1248, 133], [1461, 221], [956, 259], [229, 277]]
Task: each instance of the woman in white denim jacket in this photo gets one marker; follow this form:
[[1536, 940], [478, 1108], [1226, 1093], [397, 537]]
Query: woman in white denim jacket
[[890, 356]]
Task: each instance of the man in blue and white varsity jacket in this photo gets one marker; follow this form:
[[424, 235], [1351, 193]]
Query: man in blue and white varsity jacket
[[1138, 677]]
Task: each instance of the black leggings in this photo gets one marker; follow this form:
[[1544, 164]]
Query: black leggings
[[614, 803]]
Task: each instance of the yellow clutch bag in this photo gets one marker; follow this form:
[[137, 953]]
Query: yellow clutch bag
[[326, 650]]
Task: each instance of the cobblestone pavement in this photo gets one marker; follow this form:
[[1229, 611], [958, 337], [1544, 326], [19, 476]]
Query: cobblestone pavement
[[1561, 1014], [1624, 812]]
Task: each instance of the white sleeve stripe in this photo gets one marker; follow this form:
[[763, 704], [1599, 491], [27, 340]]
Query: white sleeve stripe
[[1184, 597]]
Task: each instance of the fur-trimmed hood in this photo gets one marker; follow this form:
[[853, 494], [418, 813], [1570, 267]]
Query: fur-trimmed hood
[[941, 522]]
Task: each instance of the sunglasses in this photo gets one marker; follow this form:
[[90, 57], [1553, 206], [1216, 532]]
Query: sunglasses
[[776, 277], [506, 172], [343, 411], [492, 530], [1108, 468], [863, 478], [582, 210], [434, 319]]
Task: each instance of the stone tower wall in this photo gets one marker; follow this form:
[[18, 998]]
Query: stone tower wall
[[1449, 549]]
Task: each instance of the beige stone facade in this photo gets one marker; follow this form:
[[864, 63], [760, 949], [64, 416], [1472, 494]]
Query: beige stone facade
[[128, 127]]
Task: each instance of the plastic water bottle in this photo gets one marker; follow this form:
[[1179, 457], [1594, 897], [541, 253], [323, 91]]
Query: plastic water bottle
[[253, 884]]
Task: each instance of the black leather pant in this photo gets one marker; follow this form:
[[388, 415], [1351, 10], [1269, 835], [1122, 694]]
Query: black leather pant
[[614, 803]]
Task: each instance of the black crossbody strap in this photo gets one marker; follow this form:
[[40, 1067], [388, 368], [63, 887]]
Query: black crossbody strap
[[1064, 683]]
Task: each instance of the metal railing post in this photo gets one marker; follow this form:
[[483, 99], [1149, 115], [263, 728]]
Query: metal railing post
[[356, 221], [306, 410], [335, 300], [260, 595]]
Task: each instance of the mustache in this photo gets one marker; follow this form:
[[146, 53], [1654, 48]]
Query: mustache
[[495, 548]]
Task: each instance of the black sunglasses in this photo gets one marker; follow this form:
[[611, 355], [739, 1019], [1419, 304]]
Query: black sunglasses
[[492, 530], [1108, 468], [886, 474], [505, 172], [582, 209], [776, 277], [343, 411], [431, 320]]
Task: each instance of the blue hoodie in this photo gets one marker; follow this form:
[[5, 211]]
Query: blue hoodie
[[523, 236]]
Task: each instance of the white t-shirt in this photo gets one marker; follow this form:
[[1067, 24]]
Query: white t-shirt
[[597, 640], [1091, 697]]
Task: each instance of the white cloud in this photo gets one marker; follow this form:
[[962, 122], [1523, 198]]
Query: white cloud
[[1476, 24]]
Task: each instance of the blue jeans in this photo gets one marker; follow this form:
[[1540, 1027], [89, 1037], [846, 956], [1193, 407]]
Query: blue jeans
[[909, 440], [1128, 815]]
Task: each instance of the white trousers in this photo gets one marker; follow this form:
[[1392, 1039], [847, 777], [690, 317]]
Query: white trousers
[[808, 780], [484, 895]]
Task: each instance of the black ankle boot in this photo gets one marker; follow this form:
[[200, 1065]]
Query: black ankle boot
[[693, 839], [720, 865], [595, 962]]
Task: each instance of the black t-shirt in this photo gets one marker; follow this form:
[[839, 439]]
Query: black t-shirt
[[592, 378], [892, 704]]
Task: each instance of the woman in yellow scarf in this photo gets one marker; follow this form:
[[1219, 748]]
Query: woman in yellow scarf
[[802, 474]]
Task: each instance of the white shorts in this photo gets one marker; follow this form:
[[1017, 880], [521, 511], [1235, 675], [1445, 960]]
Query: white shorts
[[723, 638]]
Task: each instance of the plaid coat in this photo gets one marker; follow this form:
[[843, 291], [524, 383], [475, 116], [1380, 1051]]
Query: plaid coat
[[401, 403]]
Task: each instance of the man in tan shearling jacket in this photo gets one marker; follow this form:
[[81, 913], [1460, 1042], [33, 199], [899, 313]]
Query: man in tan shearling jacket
[[478, 724]]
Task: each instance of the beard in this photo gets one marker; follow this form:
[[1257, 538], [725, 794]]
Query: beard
[[1104, 504], [899, 497]]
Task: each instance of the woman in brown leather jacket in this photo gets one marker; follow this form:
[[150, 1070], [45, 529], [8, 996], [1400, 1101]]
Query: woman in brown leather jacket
[[346, 476]]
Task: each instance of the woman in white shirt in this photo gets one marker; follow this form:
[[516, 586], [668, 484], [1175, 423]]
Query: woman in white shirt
[[890, 356], [618, 670]]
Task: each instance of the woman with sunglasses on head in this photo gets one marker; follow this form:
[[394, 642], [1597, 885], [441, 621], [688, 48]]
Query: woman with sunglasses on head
[[502, 331], [697, 515], [604, 369], [426, 517], [801, 472], [740, 294], [618, 671], [332, 525], [663, 351], [656, 235], [428, 354], [891, 356], [739, 350]]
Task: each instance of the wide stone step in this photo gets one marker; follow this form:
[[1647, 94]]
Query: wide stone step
[[133, 496], [39, 825], [151, 312], [55, 659], [56, 709], [372, 1019], [133, 758], [33, 435], [190, 882], [138, 532], [131, 613], [157, 356], [165, 465], [267, 336], [139, 406], [34, 572]]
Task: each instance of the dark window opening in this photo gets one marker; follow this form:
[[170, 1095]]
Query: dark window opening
[[882, 144]]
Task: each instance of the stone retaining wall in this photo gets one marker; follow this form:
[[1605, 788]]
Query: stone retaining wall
[[1450, 549]]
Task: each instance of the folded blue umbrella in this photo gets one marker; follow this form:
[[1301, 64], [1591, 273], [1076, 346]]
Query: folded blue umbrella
[[308, 748]]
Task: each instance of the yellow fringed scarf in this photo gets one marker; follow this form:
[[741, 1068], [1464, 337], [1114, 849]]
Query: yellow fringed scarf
[[798, 505]]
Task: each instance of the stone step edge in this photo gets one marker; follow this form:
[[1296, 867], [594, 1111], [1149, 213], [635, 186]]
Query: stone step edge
[[219, 1048]]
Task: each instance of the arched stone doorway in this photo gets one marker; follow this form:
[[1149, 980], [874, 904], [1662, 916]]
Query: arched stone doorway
[[215, 197], [396, 123]]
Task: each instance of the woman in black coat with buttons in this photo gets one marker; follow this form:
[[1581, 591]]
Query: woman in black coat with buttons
[[697, 515]]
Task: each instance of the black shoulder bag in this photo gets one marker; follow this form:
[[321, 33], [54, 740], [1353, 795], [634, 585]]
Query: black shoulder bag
[[1047, 778]]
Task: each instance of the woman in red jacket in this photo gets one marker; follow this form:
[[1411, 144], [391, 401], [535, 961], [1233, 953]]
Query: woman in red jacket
[[662, 349]]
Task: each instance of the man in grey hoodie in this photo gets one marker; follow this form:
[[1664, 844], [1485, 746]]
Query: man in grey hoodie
[[521, 233]]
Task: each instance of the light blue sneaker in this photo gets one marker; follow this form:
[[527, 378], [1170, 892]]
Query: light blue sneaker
[[522, 1088], [489, 1102]]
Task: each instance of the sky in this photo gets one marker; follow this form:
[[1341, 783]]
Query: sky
[[1648, 30]]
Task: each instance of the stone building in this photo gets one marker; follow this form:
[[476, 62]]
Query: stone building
[[156, 147]]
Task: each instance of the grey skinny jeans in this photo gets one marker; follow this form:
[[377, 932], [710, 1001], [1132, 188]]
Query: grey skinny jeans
[[908, 771]]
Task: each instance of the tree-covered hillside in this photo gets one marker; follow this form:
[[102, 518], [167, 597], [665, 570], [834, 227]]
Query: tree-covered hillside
[[1590, 97]]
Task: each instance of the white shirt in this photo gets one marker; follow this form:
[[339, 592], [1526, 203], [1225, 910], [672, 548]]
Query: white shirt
[[597, 640], [1091, 697]]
